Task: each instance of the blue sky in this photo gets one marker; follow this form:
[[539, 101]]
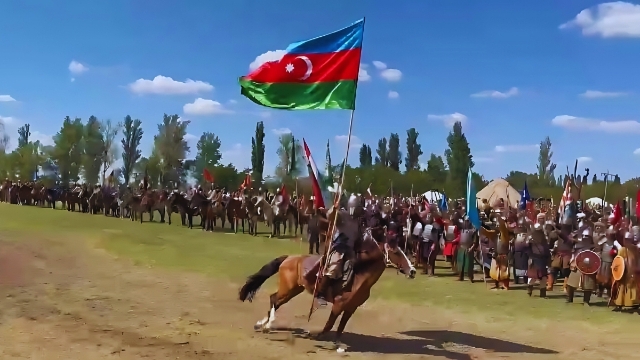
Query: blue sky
[[512, 71]]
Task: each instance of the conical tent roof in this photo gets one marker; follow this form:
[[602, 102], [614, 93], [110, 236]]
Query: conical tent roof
[[500, 188]]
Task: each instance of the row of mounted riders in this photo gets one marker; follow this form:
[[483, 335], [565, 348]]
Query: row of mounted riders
[[236, 209]]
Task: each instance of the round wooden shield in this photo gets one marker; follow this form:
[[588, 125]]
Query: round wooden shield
[[617, 268], [588, 262]]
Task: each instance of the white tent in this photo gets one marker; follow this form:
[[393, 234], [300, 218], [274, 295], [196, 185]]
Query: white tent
[[595, 201], [432, 196], [499, 189]]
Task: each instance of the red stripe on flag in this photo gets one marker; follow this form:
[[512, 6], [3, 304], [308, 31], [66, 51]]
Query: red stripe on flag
[[292, 68]]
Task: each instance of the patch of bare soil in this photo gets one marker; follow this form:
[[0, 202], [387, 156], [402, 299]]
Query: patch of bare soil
[[64, 300]]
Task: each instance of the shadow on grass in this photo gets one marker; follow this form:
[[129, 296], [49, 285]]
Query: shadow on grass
[[447, 344]]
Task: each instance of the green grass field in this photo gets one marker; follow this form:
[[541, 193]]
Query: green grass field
[[235, 256]]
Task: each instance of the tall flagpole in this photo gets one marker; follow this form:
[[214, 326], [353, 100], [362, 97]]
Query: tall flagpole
[[336, 199], [332, 224]]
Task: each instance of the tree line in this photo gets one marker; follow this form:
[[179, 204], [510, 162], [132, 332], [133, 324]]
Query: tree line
[[88, 150]]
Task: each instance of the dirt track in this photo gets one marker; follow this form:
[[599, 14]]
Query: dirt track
[[64, 300]]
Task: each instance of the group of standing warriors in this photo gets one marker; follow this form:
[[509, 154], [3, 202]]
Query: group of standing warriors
[[535, 249]]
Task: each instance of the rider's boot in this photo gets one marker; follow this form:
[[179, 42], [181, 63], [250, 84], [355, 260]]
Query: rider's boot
[[321, 293]]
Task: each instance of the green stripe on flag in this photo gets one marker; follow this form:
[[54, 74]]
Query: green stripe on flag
[[300, 96]]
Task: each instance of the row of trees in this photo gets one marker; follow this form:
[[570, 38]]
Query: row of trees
[[89, 149]]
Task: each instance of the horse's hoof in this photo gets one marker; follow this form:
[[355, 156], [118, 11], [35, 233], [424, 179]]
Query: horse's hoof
[[266, 330]]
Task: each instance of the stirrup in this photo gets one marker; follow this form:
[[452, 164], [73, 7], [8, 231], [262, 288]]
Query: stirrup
[[321, 301]]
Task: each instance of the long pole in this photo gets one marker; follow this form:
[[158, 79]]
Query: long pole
[[332, 223], [606, 184]]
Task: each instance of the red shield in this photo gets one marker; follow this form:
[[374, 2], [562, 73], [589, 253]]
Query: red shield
[[588, 262]]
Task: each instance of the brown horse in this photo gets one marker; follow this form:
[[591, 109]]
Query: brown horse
[[237, 213], [297, 273]]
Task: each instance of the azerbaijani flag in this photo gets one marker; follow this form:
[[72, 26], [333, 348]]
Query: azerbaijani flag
[[321, 73], [320, 193]]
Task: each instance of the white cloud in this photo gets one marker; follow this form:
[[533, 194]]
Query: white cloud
[[584, 159], [238, 155], [192, 141], [272, 55], [233, 102], [43, 138], [202, 106], [392, 75], [77, 68], [379, 65], [6, 98], [608, 20], [449, 119], [363, 74], [281, 131], [73, 79], [264, 114], [595, 94], [167, 86], [516, 148], [637, 152], [7, 120], [393, 95], [496, 94], [585, 124], [342, 141]]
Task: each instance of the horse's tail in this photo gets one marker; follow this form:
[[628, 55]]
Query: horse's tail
[[255, 281]]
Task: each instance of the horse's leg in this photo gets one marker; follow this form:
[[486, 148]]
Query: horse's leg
[[161, 212], [333, 316], [276, 300], [346, 315]]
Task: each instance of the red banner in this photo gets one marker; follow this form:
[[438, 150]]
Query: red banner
[[207, 176]]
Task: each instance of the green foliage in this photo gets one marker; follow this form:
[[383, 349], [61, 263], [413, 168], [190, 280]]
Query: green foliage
[[288, 146], [382, 157], [171, 148], [23, 135], [365, 156], [67, 152], [257, 155], [414, 150], [109, 150], [393, 153], [93, 150], [208, 155], [545, 167], [227, 176], [436, 170], [459, 161], [131, 153], [328, 166]]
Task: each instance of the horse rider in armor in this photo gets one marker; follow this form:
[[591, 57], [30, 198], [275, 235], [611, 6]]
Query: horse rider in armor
[[341, 254]]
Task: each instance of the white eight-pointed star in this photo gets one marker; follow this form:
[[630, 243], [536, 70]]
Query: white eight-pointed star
[[289, 67]]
